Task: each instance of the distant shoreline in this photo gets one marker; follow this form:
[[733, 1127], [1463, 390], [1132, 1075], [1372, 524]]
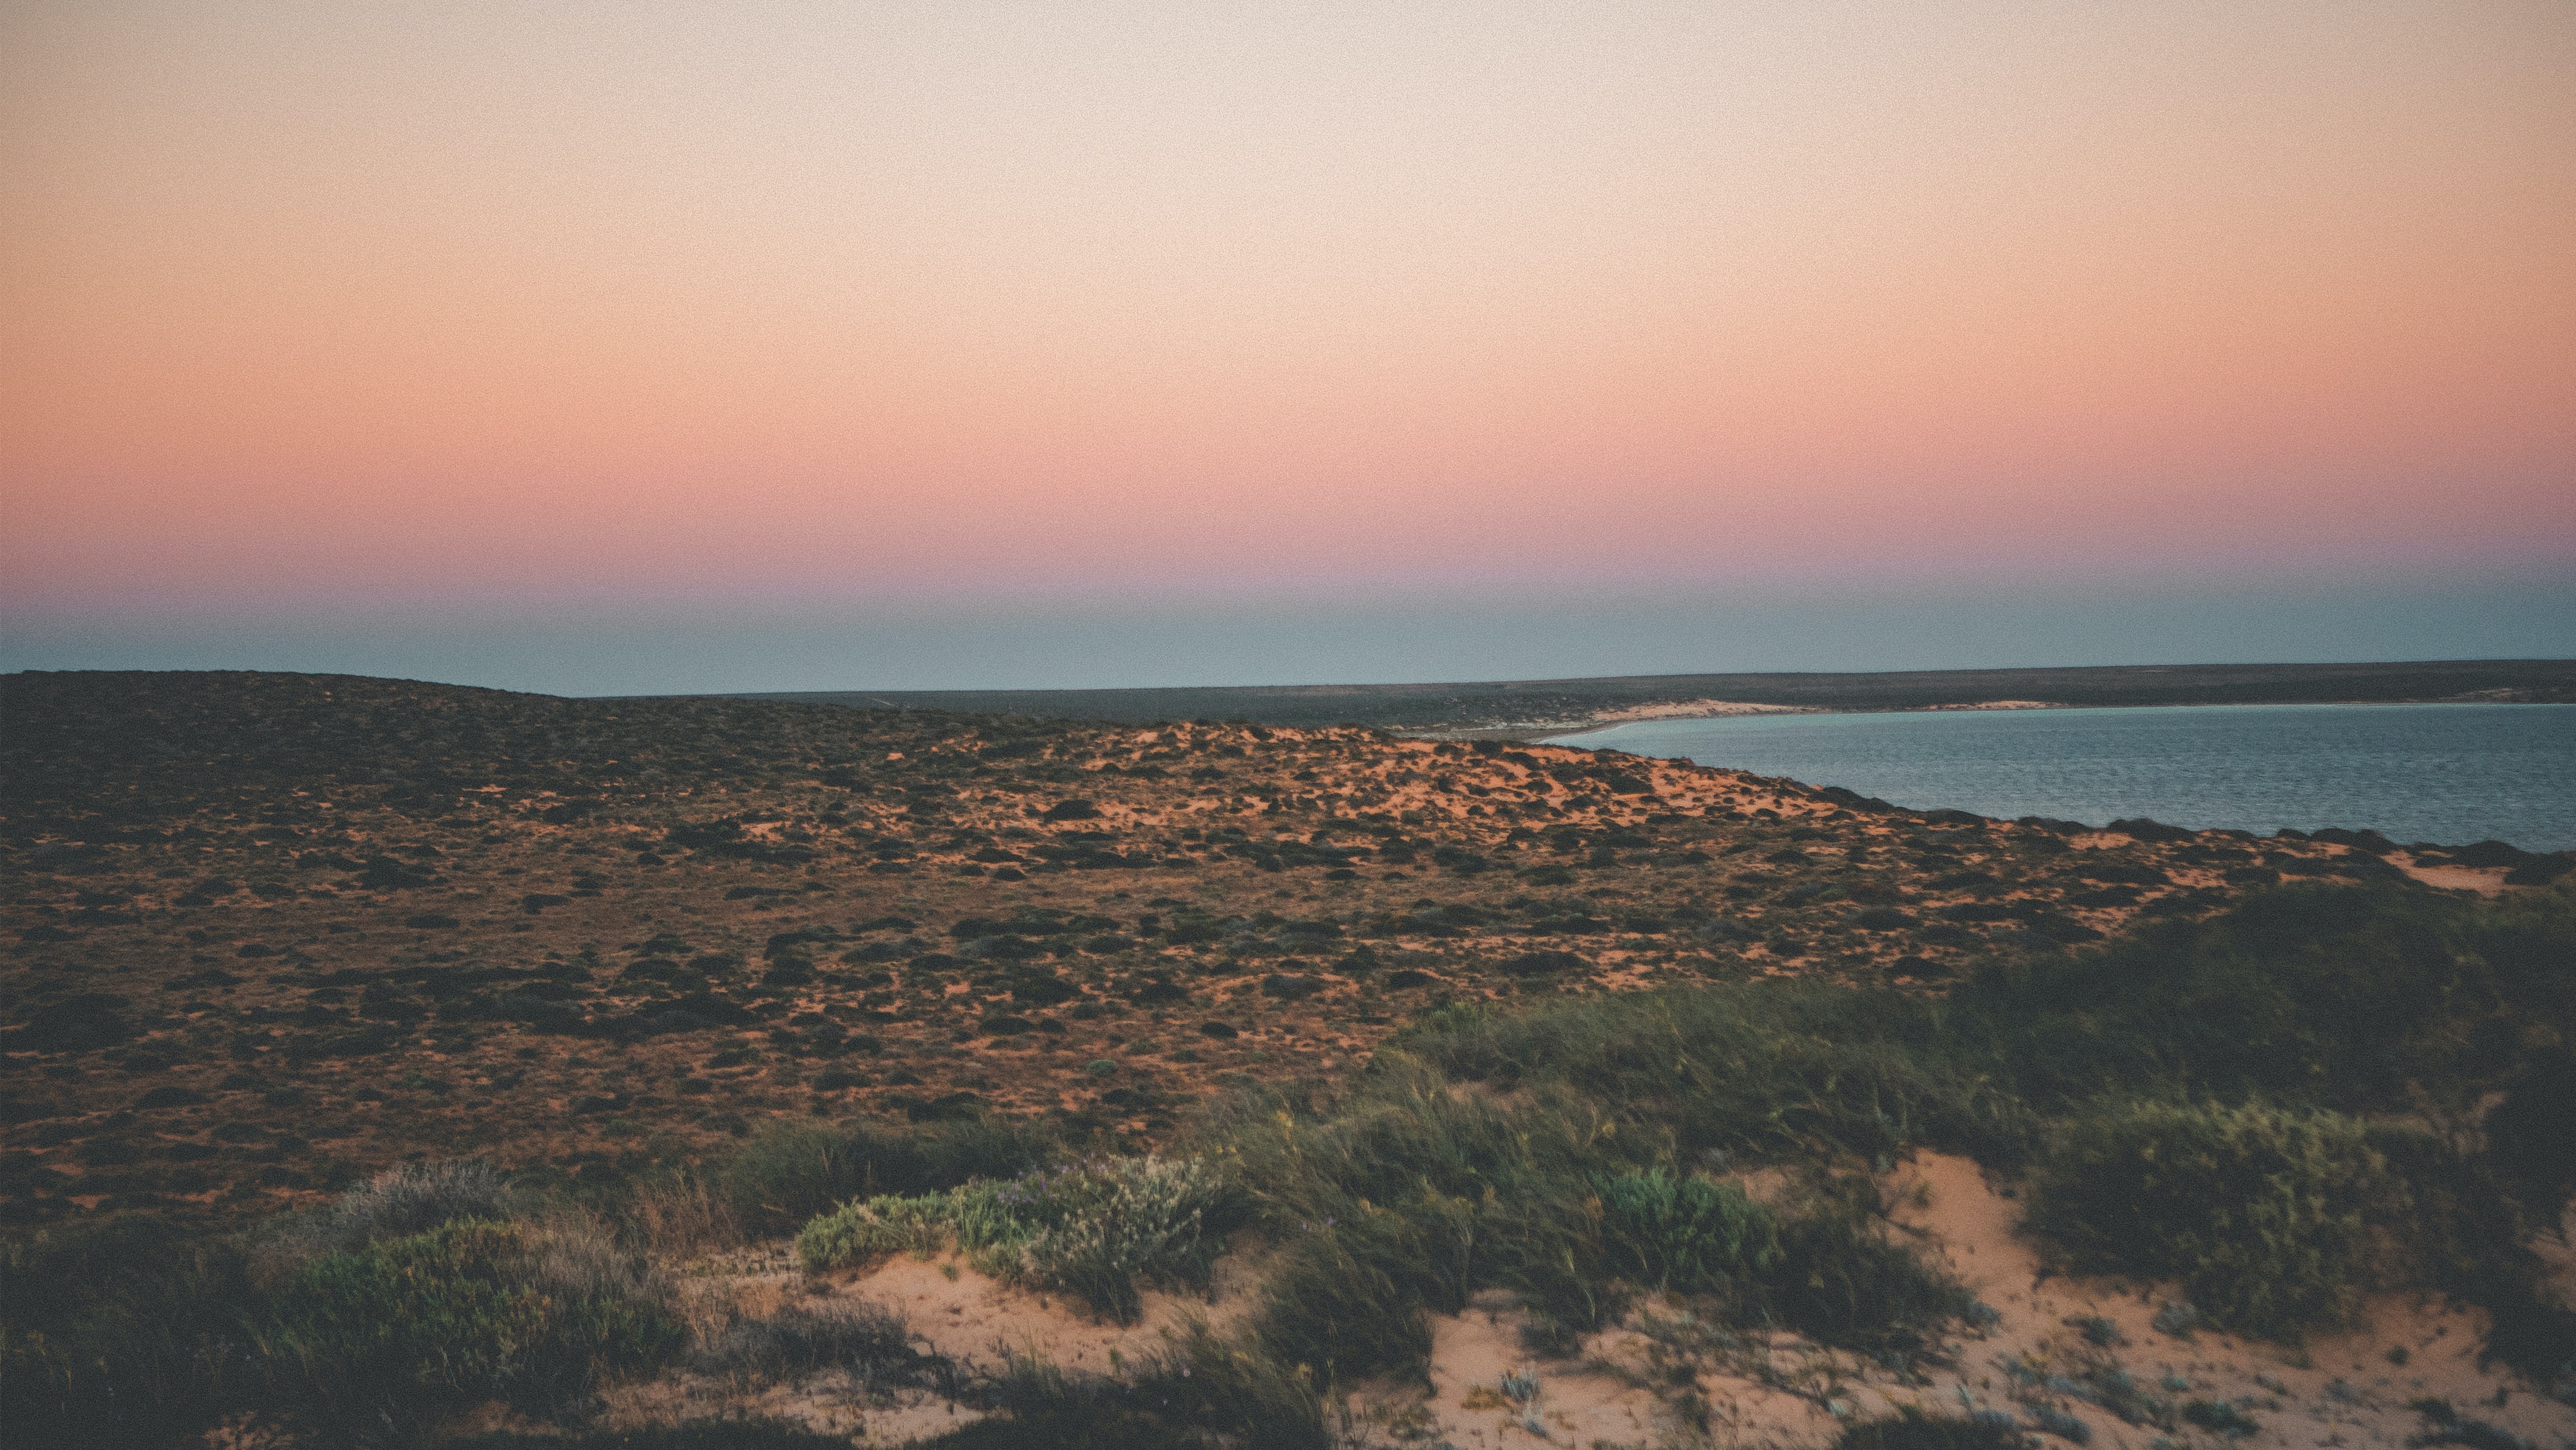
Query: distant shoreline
[[1540, 732], [1527, 709]]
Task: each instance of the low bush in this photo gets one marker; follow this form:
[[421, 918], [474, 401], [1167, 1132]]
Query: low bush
[[123, 1333], [865, 1340], [793, 1170], [2467, 1234], [872, 1228], [2530, 1142], [1414, 1196], [1095, 1227], [1787, 1070], [681, 1216], [1102, 1226], [413, 1198], [2357, 998], [2266, 1215], [401, 1201], [1571, 1155], [1841, 1281], [1687, 1234], [468, 1311]]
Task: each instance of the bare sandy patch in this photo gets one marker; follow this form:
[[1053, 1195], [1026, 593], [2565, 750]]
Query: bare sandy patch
[[2045, 1347], [2348, 1388], [981, 1322], [2002, 705], [1486, 1390], [1698, 710], [2485, 881]]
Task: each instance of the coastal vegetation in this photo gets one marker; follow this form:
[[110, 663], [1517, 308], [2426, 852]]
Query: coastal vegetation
[[1575, 1154], [408, 1149]]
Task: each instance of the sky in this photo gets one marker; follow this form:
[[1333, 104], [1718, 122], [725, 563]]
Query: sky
[[615, 348]]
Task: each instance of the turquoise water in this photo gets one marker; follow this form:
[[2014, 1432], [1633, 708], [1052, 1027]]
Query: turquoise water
[[2447, 773]]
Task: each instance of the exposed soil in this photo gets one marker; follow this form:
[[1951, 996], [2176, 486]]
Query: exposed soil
[[2052, 1345], [2087, 1351]]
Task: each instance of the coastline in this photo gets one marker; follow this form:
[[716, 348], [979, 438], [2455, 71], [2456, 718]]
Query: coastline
[[1532, 708], [1543, 732], [2321, 765]]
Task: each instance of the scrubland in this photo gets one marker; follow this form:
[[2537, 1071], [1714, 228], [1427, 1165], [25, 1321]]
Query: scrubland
[[397, 1064]]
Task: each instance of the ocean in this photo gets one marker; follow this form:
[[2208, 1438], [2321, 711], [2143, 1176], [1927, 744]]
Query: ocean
[[2450, 774]]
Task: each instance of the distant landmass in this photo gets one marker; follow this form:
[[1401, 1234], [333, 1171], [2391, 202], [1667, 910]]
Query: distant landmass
[[1511, 709]]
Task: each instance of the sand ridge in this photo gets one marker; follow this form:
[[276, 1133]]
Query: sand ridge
[[1664, 1376]]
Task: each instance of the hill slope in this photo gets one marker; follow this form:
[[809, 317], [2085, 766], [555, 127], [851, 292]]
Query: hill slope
[[270, 930]]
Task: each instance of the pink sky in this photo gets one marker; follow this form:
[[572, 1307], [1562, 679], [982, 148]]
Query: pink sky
[[326, 306]]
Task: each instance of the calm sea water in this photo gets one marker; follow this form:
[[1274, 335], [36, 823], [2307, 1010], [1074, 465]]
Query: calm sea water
[[2447, 773]]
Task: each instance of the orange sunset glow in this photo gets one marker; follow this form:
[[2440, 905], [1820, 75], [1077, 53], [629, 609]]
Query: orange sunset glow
[[327, 308]]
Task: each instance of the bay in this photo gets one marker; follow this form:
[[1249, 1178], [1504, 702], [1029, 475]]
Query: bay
[[2450, 774]]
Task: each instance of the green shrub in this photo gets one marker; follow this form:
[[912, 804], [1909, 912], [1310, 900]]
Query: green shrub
[[1686, 1234], [413, 1198], [861, 1230], [793, 1170], [2266, 1215], [2467, 1235], [790, 1168], [121, 1334], [1095, 1227], [470, 1310], [2357, 998], [2529, 1138], [1413, 1197], [401, 1201], [862, 1338], [1355, 1298], [1841, 1281], [1775, 1069]]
